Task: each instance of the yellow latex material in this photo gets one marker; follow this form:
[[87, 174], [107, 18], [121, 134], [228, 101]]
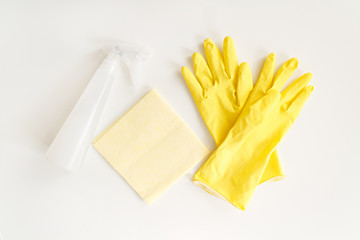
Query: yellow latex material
[[220, 94], [236, 167]]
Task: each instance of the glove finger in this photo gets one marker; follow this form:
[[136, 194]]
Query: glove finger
[[215, 60], [265, 80], [293, 90], [298, 103], [194, 86], [202, 71], [244, 84], [230, 59], [284, 73]]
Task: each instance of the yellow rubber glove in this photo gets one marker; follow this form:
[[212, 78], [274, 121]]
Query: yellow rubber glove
[[236, 167], [220, 94]]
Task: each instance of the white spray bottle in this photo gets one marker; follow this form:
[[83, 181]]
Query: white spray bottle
[[70, 145]]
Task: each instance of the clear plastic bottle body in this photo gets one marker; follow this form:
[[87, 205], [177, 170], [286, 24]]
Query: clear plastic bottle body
[[70, 145]]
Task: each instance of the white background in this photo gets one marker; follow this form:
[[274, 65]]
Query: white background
[[49, 51]]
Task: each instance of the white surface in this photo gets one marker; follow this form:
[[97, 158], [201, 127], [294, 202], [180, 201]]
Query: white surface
[[48, 54]]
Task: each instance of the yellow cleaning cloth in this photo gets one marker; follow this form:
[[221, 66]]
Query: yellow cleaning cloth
[[150, 146]]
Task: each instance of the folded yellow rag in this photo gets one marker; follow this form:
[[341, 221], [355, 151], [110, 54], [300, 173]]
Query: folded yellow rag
[[150, 146]]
